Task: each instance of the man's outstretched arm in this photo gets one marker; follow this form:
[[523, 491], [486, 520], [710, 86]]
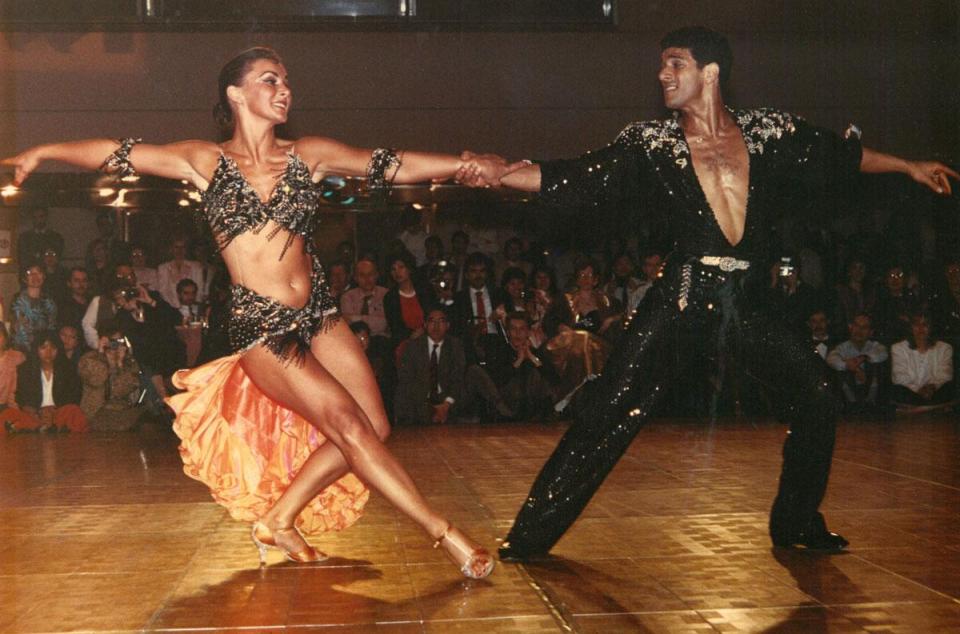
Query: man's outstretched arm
[[932, 174]]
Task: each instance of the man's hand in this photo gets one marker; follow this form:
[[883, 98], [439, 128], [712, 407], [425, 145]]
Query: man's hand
[[485, 170], [932, 174], [927, 391], [853, 363]]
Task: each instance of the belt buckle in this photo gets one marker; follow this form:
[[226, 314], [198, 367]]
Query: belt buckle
[[728, 264]]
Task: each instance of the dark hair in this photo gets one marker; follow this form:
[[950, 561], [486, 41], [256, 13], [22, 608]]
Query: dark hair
[[706, 47], [184, 283], [232, 74], [46, 336], [931, 337], [474, 259], [550, 273], [108, 327], [360, 326], [512, 273], [403, 256], [77, 269]]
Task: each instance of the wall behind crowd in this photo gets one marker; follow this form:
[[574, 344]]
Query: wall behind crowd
[[890, 66]]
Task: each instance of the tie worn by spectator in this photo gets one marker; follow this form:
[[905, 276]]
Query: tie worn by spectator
[[111, 382], [48, 390], [365, 302], [430, 376], [475, 321], [860, 362]]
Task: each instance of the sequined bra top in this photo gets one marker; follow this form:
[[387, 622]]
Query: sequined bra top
[[232, 207]]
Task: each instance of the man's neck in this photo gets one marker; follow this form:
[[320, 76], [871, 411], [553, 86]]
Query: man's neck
[[434, 342], [706, 117], [80, 299]]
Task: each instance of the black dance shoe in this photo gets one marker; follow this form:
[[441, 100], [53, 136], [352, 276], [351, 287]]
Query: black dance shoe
[[814, 537], [516, 553]]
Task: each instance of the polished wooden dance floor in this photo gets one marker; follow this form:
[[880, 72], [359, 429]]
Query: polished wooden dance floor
[[104, 533]]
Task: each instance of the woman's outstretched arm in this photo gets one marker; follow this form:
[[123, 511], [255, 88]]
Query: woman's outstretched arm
[[175, 160]]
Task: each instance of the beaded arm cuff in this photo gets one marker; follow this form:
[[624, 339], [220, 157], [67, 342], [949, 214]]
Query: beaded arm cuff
[[119, 162], [381, 161]]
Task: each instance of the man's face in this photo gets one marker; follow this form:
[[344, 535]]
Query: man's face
[[338, 276], [437, 325], [126, 274], [860, 330], [443, 287], [894, 280], [623, 266], [79, 283], [138, 258], [179, 249], [477, 275], [366, 275], [187, 295], [680, 79], [68, 336], [651, 266], [40, 218], [50, 259], [817, 323], [518, 332]]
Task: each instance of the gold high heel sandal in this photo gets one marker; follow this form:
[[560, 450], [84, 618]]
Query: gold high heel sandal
[[263, 538], [479, 562]]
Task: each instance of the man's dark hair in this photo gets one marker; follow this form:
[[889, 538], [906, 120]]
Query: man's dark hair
[[706, 46], [74, 269], [184, 283], [476, 259]]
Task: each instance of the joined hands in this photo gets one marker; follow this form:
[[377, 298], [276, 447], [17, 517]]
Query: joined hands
[[485, 170]]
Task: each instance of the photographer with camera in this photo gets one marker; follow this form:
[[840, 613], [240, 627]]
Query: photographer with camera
[[111, 382], [102, 307]]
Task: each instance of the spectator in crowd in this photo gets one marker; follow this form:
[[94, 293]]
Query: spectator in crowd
[[651, 265], [625, 289], [945, 307], [443, 279], [475, 322], [433, 250], [414, 235], [518, 381], [215, 342], [346, 252], [31, 311], [54, 275], [818, 326], [856, 295], [895, 304], [102, 307], [459, 251], [146, 275], [10, 359], [860, 362], [72, 344], [99, 268], [33, 242], [383, 366], [110, 379], [543, 295], [365, 302], [73, 306], [338, 277], [406, 302], [117, 249], [512, 257], [149, 325], [190, 309], [513, 291], [791, 300], [430, 375], [177, 268], [48, 390], [922, 372]]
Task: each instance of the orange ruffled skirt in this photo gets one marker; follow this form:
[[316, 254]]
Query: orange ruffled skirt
[[247, 447]]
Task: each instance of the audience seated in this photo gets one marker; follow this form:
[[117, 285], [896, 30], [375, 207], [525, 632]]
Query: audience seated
[[406, 302], [895, 304], [72, 342], [430, 375], [543, 295], [54, 275], [922, 369], [146, 275], [518, 381], [623, 287], [102, 307], [10, 359], [48, 390], [818, 329], [381, 362], [177, 268], [338, 278], [99, 268], [474, 321], [512, 257], [945, 307], [32, 243], [443, 279], [32, 311], [433, 249], [791, 300], [191, 312], [215, 342], [513, 291], [73, 306], [459, 251], [110, 378], [860, 362], [117, 249], [413, 236], [856, 295], [365, 302]]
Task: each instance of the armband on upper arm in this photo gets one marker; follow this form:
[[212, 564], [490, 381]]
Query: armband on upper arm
[[382, 160], [119, 161]]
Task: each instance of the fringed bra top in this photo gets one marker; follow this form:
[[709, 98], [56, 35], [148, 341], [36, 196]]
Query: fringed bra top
[[232, 207]]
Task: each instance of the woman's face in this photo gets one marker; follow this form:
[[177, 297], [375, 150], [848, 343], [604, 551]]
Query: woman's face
[[138, 258], [47, 352], [542, 281], [34, 277], [920, 329], [264, 92], [399, 272], [515, 288], [586, 279]]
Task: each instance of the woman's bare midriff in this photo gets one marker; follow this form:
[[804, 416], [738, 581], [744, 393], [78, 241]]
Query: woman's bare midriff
[[254, 261]]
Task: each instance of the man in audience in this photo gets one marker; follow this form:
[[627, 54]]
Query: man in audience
[[73, 306], [365, 302], [433, 247], [518, 381], [102, 306], [474, 319], [922, 371], [459, 251], [623, 287], [791, 299], [189, 307], [146, 275], [117, 249], [859, 360], [171, 272], [54, 275], [512, 257], [818, 327], [37, 239], [895, 304], [338, 277], [430, 376]]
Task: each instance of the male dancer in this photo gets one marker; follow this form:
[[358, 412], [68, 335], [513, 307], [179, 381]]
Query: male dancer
[[718, 173]]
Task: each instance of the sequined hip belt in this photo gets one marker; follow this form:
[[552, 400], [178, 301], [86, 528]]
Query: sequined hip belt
[[725, 263]]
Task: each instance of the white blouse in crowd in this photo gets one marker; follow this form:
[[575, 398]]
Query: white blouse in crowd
[[914, 369], [47, 400]]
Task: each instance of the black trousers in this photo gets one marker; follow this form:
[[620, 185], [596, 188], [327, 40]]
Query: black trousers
[[721, 320]]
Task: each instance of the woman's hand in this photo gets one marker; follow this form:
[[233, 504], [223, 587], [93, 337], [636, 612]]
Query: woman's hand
[[24, 163], [932, 174]]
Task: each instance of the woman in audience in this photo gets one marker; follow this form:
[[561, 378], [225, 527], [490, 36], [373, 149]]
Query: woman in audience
[[406, 302], [513, 286], [146, 275], [32, 311], [544, 293], [922, 367], [10, 359], [255, 425], [111, 382], [48, 389]]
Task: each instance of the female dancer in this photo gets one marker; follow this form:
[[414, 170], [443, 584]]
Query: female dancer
[[253, 425]]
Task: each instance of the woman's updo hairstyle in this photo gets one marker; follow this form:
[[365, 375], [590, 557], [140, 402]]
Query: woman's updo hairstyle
[[232, 74]]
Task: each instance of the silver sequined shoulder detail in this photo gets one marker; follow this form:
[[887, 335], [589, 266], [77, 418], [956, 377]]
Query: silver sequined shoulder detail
[[763, 124]]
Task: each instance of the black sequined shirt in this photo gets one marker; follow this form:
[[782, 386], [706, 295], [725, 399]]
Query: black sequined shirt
[[232, 207], [649, 167]]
